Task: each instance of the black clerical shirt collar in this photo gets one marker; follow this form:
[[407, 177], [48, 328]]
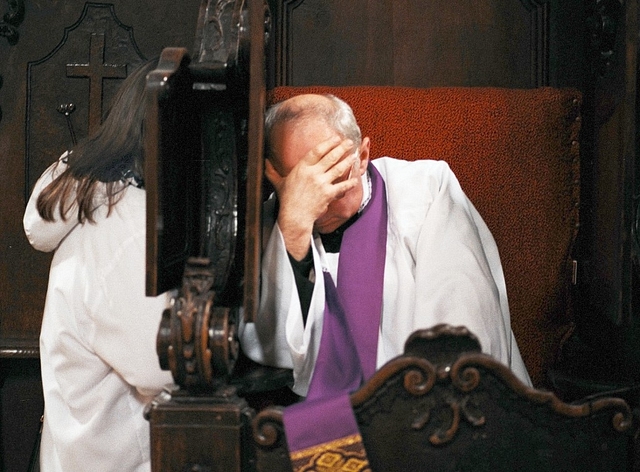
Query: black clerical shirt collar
[[331, 241]]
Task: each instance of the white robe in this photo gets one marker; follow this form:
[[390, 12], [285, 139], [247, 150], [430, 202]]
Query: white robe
[[98, 338], [442, 266]]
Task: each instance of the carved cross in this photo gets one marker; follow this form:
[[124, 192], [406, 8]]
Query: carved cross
[[96, 70]]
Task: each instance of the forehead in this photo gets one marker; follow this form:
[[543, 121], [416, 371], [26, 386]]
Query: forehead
[[291, 140]]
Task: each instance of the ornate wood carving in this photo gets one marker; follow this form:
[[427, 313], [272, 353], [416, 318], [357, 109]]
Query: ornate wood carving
[[81, 70], [203, 148], [220, 191], [201, 161], [9, 27], [194, 98], [11, 20], [220, 26], [602, 22], [197, 340], [445, 404], [177, 174]]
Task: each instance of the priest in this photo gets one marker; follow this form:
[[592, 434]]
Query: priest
[[360, 253]]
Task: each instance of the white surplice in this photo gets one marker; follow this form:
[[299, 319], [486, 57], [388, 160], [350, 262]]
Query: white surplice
[[98, 337], [442, 266]]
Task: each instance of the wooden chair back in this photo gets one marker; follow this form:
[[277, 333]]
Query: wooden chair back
[[516, 154]]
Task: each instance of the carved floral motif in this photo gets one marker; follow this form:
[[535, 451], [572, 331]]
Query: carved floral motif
[[197, 341], [450, 405], [11, 20]]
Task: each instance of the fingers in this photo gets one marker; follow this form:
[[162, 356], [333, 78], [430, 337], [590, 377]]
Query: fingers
[[311, 187], [328, 153], [343, 170], [321, 150], [341, 188]]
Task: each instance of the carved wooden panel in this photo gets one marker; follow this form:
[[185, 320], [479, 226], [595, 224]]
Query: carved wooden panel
[[44, 37], [45, 50], [413, 43], [609, 270], [69, 89], [201, 168], [445, 404]]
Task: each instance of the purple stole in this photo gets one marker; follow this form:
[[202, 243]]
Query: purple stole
[[322, 432]]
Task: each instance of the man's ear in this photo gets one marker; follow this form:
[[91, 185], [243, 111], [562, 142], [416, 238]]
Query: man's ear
[[364, 154], [271, 173], [275, 164]]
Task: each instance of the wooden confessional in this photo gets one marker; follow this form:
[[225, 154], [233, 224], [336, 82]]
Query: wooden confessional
[[442, 403], [224, 415]]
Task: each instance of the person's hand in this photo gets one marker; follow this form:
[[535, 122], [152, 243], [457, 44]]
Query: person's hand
[[320, 177]]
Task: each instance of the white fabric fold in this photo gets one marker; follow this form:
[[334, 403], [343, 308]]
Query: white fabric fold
[[442, 266], [98, 338]]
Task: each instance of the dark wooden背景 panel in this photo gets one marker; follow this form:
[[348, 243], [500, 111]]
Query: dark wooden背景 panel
[[54, 53], [61, 53], [412, 43]]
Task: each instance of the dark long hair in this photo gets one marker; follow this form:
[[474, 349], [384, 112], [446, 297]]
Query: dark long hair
[[102, 159]]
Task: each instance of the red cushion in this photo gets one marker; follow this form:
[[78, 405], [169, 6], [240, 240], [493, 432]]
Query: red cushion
[[516, 154]]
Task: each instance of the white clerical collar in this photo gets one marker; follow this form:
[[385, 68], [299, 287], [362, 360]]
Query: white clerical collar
[[366, 190]]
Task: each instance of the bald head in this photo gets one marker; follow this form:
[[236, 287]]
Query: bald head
[[331, 110], [308, 104]]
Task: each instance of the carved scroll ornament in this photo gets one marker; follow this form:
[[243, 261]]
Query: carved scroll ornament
[[197, 181], [11, 20], [446, 404], [197, 340]]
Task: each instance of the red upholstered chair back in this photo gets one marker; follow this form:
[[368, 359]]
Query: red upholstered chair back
[[516, 154]]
